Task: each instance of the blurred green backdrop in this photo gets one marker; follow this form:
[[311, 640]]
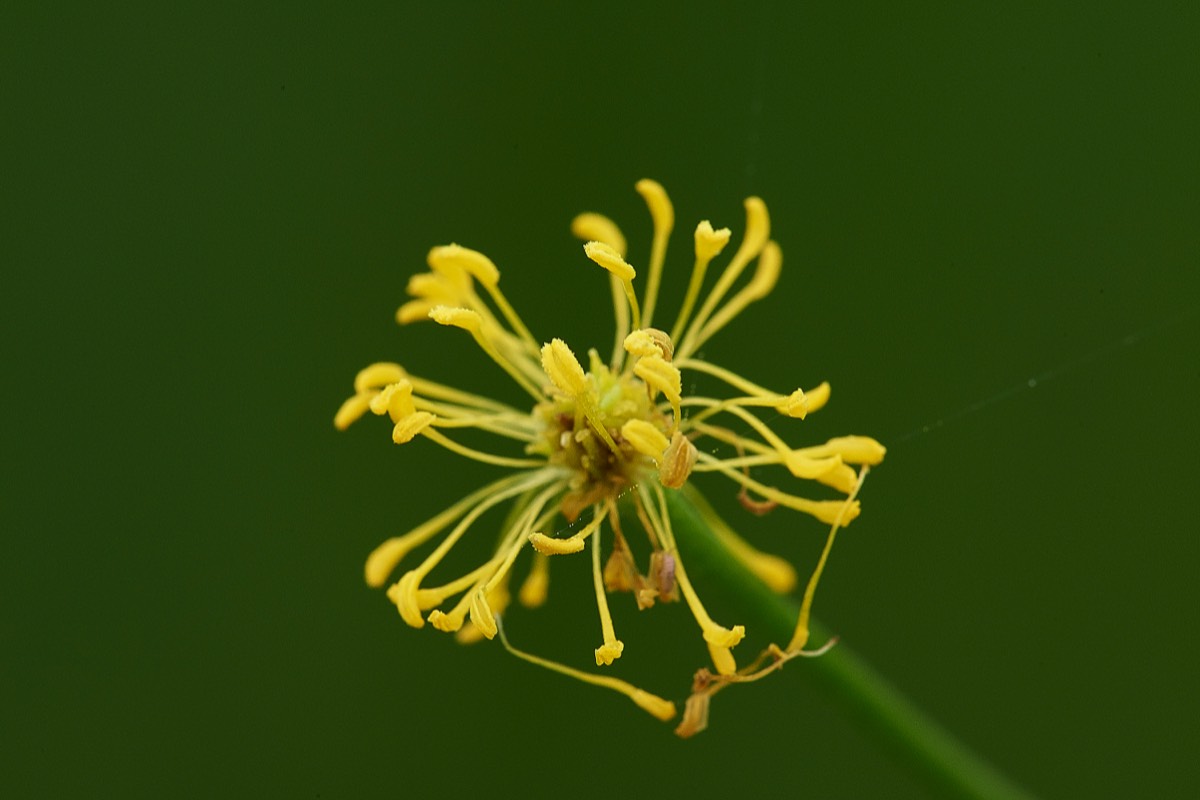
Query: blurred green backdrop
[[212, 213]]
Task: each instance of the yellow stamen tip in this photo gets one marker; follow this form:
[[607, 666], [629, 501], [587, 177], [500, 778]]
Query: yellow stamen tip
[[555, 547], [407, 428], [351, 410], [606, 654], [479, 266], [563, 368], [378, 375], [766, 275], [655, 705], [649, 342], [858, 449], [610, 259], [709, 242], [481, 615], [448, 623], [599, 228], [383, 559], [811, 468], [818, 397], [795, 405], [724, 637], [404, 594], [463, 318], [722, 659], [646, 438], [661, 210]]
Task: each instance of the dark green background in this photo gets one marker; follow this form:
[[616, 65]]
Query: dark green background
[[210, 218]]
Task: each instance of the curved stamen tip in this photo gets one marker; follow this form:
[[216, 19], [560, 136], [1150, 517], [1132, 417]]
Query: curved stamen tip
[[555, 547], [661, 210], [463, 318], [646, 438], [724, 637], [606, 654], [597, 227], [795, 405], [477, 264], [709, 242], [448, 623], [659, 708], [649, 342], [610, 259], [404, 594], [378, 375], [858, 449], [408, 427], [481, 615]]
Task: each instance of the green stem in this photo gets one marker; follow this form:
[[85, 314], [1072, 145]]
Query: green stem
[[920, 742]]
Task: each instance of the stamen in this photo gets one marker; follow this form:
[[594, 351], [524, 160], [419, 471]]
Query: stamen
[[572, 544], [385, 557], [479, 455], [612, 261], [596, 227], [564, 371], [825, 510], [536, 587], [758, 229], [653, 704], [610, 651], [800, 637], [766, 275], [677, 461], [709, 244], [646, 438], [484, 271], [722, 638], [797, 404], [470, 321], [404, 592], [662, 377], [663, 216]]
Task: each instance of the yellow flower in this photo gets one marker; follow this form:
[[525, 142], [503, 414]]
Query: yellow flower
[[622, 427]]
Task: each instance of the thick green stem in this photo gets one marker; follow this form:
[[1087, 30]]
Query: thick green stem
[[922, 744]]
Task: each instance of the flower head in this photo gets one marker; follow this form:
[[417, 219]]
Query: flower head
[[598, 433]]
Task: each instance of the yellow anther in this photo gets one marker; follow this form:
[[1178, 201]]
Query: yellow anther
[[378, 375], [646, 438], [555, 547], [649, 342], [352, 409], [463, 318], [473, 262], [677, 461], [606, 654], [663, 216], [795, 405], [414, 311], [536, 587], [563, 368], [407, 428], [404, 594], [818, 397], [766, 274], [803, 466], [447, 623], [709, 242], [718, 636], [661, 376], [383, 559], [661, 210], [858, 449], [395, 400], [481, 614], [655, 705], [610, 259], [599, 228]]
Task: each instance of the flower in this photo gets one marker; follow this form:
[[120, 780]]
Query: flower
[[619, 428]]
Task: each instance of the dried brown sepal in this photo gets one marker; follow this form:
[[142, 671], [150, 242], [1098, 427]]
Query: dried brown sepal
[[677, 461]]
